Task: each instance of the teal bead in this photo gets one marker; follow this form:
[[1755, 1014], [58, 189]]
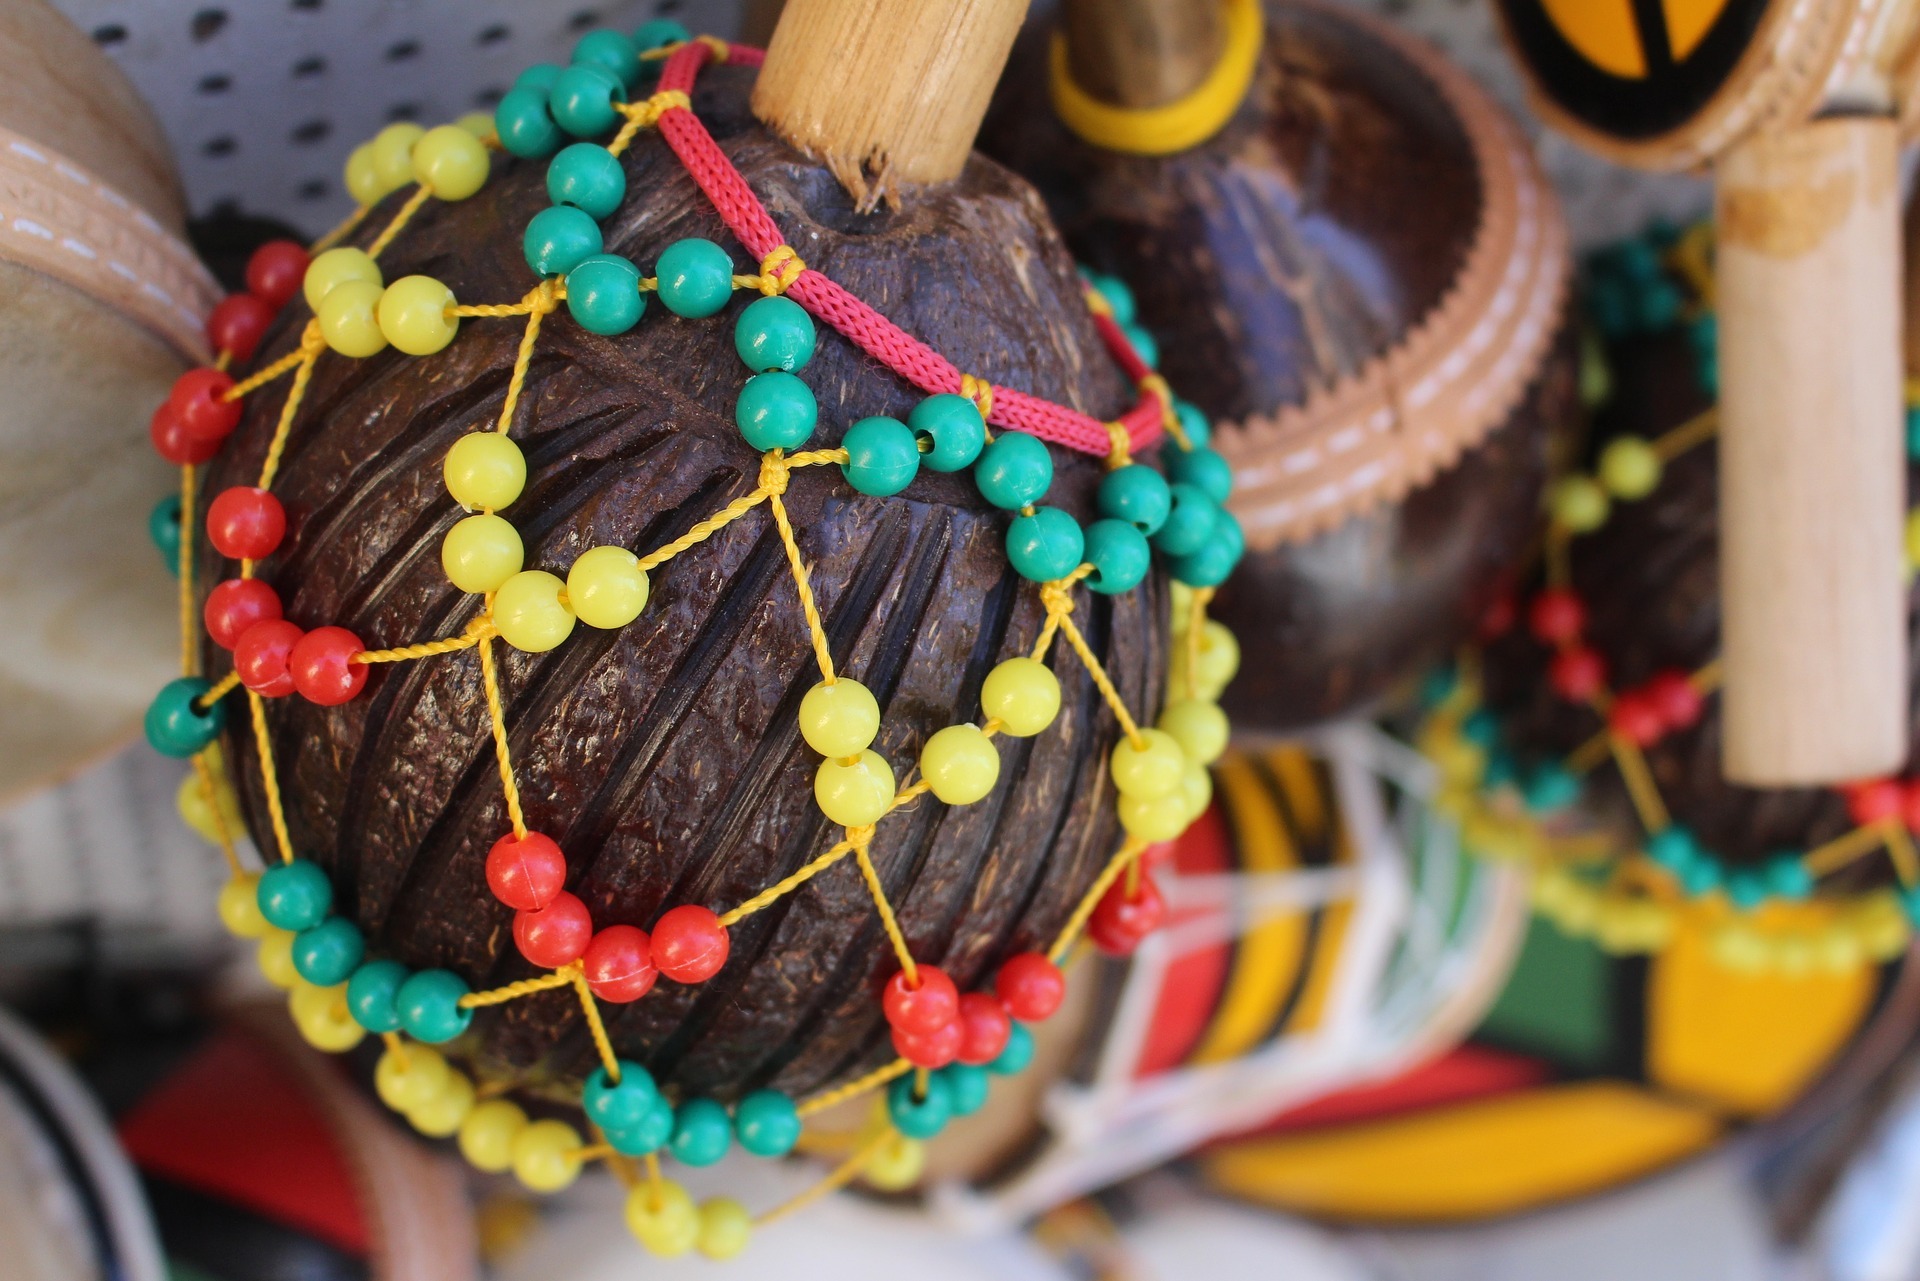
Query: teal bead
[[560, 238], [163, 526], [1913, 436], [1015, 471], [659, 33], [882, 456], [1202, 468], [767, 1123], [1136, 494], [1189, 521], [372, 993], [1501, 769], [539, 78], [1144, 345], [1437, 686], [176, 725], [954, 427], [967, 1087], [696, 277], [1910, 903], [1482, 729], [611, 51], [295, 895], [1119, 297], [775, 411], [1638, 260], [329, 953], [1046, 545], [1674, 848], [622, 1104], [919, 1115], [1747, 888], [1018, 1054], [1119, 555], [1702, 877], [646, 1135], [1210, 566], [1660, 305], [774, 333], [525, 125], [589, 177], [1194, 423], [603, 294], [429, 1005], [1550, 787], [1788, 877], [701, 1132], [581, 101]]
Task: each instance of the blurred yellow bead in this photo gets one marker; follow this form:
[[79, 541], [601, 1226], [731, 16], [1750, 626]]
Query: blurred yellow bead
[[839, 718], [1738, 948], [897, 1166], [1157, 818], [450, 162], [240, 906], [480, 125], [276, 957], [857, 793], [960, 764], [1022, 694], [1219, 658], [1793, 955], [413, 314], [1837, 950], [488, 1132], [1580, 910], [485, 469], [363, 180], [1150, 770], [725, 1228], [393, 154], [443, 1114], [662, 1217], [606, 587], [1182, 604], [480, 553], [1614, 927], [1458, 758], [1881, 927], [1196, 789], [408, 1078], [197, 812], [337, 267], [1199, 726], [1579, 503], [1913, 538], [350, 319], [322, 1016], [1630, 468], [546, 1155], [529, 611]]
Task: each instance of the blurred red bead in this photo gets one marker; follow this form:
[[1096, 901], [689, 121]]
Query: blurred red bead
[[1030, 986], [922, 1009], [198, 397], [554, 935], [1674, 695], [619, 964], [276, 271], [261, 655], [168, 432], [1636, 718], [1577, 674], [245, 523], [525, 872], [689, 944], [237, 325], [235, 605], [1874, 800], [933, 1049], [1556, 616], [984, 1028], [322, 666], [1499, 618], [1910, 806], [1121, 920]]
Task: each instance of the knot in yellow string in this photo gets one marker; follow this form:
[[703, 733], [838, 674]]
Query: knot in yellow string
[[1156, 386], [312, 341], [544, 298], [774, 472], [1056, 598], [779, 269], [979, 391], [860, 836], [721, 49], [1097, 302], [1119, 446], [650, 111]]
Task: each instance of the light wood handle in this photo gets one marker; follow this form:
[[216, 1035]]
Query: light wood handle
[[1812, 475], [1142, 53], [886, 93]]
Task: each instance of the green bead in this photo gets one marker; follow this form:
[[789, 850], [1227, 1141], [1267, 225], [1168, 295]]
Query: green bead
[[295, 895], [539, 78], [646, 1135], [1015, 471], [610, 51], [1747, 888], [953, 425], [659, 33], [1913, 432], [1202, 468], [767, 1123], [622, 1104], [1119, 296], [1550, 787], [1046, 545], [1674, 848], [917, 1114], [581, 100], [1910, 903], [1143, 344], [967, 1087], [1018, 1054], [176, 725], [1788, 877], [525, 125], [1119, 555], [603, 294], [775, 411], [701, 1132], [163, 526], [1189, 521], [1702, 878], [1482, 729], [1136, 494], [559, 238], [1193, 422], [774, 333], [589, 177], [882, 456], [371, 993], [696, 277], [328, 953], [1210, 566], [429, 1005]]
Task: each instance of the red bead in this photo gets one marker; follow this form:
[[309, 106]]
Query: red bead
[[1874, 800], [237, 325], [919, 1010], [235, 605], [619, 964], [245, 523], [1910, 806], [276, 271], [198, 397], [1556, 616], [933, 1049], [1678, 702], [526, 871], [1120, 921], [984, 1028], [261, 654], [322, 666], [689, 944], [554, 935], [170, 439], [1030, 986], [1636, 718], [1577, 674], [1500, 617]]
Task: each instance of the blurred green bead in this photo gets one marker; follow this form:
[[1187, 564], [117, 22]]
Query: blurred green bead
[[1216, 558], [1202, 468], [611, 51], [967, 1087], [1136, 494], [701, 1132], [371, 993], [622, 1104], [429, 1005], [1018, 1054], [582, 100], [767, 1123], [539, 78], [1119, 555], [919, 1109], [328, 953], [163, 526], [659, 33], [175, 725], [1144, 345], [1189, 521], [1193, 422]]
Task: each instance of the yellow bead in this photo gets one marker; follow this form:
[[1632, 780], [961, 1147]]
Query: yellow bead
[[480, 553], [451, 162], [662, 1217], [725, 1228], [350, 319], [1219, 658], [198, 813], [393, 154], [546, 1155], [240, 906], [1913, 538], [322, 1016], [897, 1166], [529, 611], [606, 587], [480, 125], [1837, 951], [363, 180], [1580, 504], [1630, 468], [855, 794], [1199, 726], [1196, 789], [1182, 608], [1614, 927], [337, 267], [1023, 695], [1158, 818], [840, 718], [487, 1134], [413, 314], [485, 469], [1150, 770], [408, 1078], [276, 957], [960, 764], [443, 1114]]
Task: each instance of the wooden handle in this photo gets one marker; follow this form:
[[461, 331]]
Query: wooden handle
[[885, 93], [1813, 501], [1142, 53]]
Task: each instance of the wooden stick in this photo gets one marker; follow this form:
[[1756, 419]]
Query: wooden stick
[[1141, 53], [886, 93], [1812, 488]]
